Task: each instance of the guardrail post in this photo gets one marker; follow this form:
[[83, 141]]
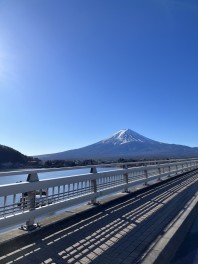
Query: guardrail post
[[126, 179], [146, 177], [93, 185], [159, 171], [30, 202], [169, 171], [176, 169]]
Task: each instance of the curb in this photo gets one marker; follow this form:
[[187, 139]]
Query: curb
[[166, 246]]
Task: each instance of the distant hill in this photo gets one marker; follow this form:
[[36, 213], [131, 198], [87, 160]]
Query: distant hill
[[11, 155], [125, 144]]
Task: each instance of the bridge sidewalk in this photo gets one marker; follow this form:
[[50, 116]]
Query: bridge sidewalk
[[121, 231]]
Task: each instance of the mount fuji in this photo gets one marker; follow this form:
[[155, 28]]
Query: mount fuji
[[125, 144]]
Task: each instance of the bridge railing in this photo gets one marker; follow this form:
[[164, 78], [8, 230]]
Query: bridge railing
[[25, 201]]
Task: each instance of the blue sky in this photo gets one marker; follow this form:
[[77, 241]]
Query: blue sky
[[73, 72]]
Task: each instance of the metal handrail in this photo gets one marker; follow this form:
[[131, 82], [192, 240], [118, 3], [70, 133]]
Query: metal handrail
[[20, 202], [44, 170]]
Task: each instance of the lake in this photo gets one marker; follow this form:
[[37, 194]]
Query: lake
[[49, 175]]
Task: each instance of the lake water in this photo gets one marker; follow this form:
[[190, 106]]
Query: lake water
[[49, 175]]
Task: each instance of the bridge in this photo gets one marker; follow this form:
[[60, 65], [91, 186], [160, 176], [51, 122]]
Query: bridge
[[132, 213]]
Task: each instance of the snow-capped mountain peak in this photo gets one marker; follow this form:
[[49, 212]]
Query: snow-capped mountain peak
[[125, 144], [125, 136]]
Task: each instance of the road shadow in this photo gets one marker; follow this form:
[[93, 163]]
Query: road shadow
[[119, 232]]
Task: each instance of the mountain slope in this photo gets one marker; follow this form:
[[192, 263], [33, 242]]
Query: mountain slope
[[125, 144], [11, 155]]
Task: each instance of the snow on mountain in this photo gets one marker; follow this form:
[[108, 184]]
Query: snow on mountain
[[125, 144], [126, 136]]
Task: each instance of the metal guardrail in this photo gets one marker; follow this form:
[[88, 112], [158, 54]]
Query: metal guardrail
[[23, 202]]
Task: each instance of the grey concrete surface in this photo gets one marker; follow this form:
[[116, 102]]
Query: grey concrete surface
[[188, 250]]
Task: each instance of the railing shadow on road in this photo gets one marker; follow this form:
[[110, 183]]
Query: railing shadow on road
[[118, 232]]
